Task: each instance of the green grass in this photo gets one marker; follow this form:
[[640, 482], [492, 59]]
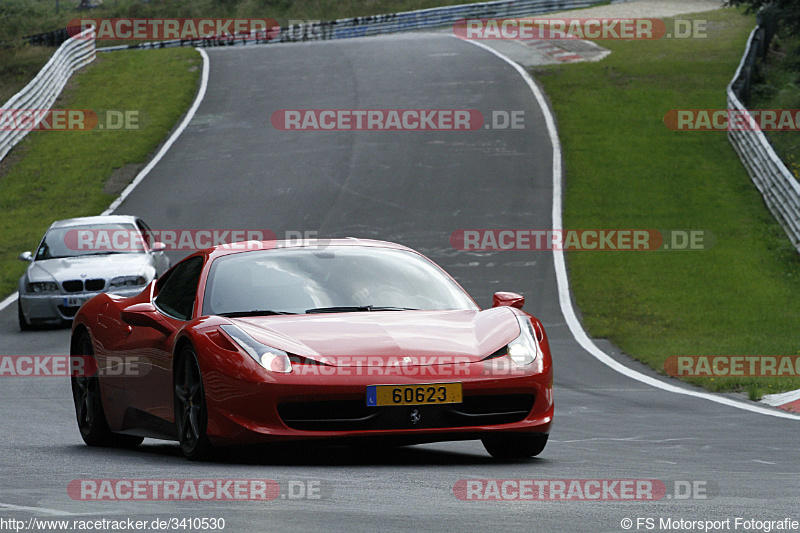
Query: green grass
[[18, 66], [625, 169], [61, 174]]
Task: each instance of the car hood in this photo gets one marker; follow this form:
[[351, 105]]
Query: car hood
[[90, 267], [384, 337]]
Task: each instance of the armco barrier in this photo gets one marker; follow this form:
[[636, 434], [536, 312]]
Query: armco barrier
[[448, 15], [779, 188], [44, 89], [421, 19]]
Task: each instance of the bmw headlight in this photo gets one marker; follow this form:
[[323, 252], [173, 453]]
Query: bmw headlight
[[40, 287], [524, 349], [270, 358], [128, 281]]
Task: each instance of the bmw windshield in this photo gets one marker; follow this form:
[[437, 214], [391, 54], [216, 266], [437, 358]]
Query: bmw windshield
[[94, 239]]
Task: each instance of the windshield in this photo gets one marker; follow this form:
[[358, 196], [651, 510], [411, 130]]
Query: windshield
[[93, 239], [319, 280]]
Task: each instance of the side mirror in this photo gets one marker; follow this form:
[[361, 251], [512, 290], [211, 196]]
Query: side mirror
[[25, 256], [508, 299], [158, 247], [144, 315]]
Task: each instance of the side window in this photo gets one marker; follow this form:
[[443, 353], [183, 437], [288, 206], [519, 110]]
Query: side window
[[146, 233], [177, 295], [44, 251]]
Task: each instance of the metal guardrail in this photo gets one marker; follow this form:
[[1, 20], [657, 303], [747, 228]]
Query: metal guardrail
[[438, 17], [43, 90], [777, 185], [421, 19]]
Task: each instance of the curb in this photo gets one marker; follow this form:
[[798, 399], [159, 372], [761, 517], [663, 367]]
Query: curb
[[788, 401]]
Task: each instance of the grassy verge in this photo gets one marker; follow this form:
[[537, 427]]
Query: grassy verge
[[18, 66], [626, 169], [778, 87], [61, 174]]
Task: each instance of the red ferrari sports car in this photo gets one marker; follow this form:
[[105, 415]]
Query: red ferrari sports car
[[276, 341]]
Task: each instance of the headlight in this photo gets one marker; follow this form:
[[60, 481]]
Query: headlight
[[524, 349], [270, 358], [39, 287], [128, 281]]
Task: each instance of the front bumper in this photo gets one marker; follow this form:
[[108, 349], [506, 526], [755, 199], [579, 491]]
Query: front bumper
[[56, 308], [291, 407]]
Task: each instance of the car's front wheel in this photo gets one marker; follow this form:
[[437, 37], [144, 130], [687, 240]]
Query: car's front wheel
[[191, 417], [514, 445], [88, 403]]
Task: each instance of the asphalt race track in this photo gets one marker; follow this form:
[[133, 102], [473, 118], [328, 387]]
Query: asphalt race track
[[231, 169]]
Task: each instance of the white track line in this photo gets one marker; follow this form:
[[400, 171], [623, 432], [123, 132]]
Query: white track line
[[146, 170], [43, 510], [563, 281], [8, 301], [175, 134]]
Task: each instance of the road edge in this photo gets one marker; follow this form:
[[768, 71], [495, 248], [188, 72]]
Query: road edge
[[575, 327], [201, 93]]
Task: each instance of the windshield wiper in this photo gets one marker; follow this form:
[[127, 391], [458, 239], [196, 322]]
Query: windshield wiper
[[356, 308], [105, 252], [254, 312], [78, 255]]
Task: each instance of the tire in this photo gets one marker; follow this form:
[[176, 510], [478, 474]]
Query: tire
[[23, 324], [191, 415], [89, 404], [514, 445]]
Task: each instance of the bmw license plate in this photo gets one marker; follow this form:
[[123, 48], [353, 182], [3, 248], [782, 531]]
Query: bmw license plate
[[76, 301], [417, 394]]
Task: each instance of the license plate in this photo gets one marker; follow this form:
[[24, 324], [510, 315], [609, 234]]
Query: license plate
[[76, 301], [417, 394]]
